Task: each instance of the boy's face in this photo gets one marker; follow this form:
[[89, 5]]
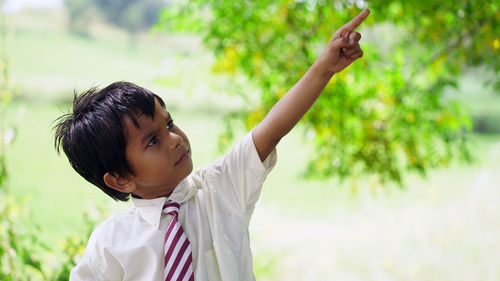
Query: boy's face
[[158, 153]]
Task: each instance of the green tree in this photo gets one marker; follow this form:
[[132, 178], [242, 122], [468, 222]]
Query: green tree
[[385, 115], [79, 15], [132, 15]]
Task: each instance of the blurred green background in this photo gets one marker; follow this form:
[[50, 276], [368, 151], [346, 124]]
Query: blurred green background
[[373, 225]]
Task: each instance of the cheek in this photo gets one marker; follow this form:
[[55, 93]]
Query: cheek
[[157, 159], [151, 162]]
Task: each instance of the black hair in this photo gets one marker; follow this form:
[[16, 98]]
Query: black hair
[[93, 136]]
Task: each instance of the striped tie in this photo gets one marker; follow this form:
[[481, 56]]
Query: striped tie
[[178, 258]]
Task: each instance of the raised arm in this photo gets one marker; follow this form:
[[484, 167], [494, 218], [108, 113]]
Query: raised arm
[[342, 50]]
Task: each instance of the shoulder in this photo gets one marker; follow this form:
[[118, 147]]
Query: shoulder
[[244, 156], [100, 260], [114, 221], [111, 231], [239, 173], [245, 151], [241, 159]]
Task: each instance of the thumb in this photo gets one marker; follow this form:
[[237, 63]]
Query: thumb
[[339, 43]]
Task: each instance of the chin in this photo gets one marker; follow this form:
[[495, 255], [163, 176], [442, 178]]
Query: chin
[[190, 170]]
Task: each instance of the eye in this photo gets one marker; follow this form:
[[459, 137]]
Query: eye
[[153, 141], [170, 124]]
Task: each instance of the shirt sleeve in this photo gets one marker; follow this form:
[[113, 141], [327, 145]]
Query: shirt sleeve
[[97, 262], [244, 173], [82, 271]]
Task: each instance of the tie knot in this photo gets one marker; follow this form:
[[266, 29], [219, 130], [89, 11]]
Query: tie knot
[[171, 208]]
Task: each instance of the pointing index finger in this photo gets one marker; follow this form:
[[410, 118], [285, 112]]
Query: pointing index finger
[[355, 22]]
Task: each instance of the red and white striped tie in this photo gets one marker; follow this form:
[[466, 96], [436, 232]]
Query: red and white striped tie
[[178, 258]]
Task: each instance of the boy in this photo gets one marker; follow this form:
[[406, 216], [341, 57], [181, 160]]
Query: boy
[[183, 226]]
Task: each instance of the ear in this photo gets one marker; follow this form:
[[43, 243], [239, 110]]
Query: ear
[[119, 183]]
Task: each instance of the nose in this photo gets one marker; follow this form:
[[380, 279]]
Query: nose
[[175, 140]]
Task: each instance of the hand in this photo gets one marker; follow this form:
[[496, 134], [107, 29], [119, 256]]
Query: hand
[[343, 49]]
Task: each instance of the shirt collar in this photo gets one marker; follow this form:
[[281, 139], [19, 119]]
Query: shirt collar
[[151, 209]]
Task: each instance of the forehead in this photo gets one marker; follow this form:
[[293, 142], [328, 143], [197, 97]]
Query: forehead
[[145, 123]]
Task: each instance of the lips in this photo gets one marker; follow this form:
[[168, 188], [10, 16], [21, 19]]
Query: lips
[[183, 158]]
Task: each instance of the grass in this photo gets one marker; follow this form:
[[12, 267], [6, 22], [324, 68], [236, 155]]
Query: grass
[[440, 228]]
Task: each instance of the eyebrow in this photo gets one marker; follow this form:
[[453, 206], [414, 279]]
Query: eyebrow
[[152, 132]]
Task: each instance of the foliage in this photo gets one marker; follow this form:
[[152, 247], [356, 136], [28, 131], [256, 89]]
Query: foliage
[[19, 249], [73, 249], [18, 260], [385, 115]]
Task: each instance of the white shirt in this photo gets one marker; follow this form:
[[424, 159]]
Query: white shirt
[[217, 202]]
